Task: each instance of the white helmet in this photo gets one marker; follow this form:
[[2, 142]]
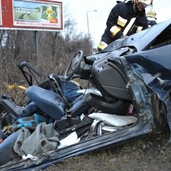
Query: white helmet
[[145, 2]]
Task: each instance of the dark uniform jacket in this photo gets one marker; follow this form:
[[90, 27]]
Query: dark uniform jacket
[[120, 16], [151, 23]]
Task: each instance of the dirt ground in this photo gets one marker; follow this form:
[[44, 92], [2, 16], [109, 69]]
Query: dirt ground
[[151, 153]]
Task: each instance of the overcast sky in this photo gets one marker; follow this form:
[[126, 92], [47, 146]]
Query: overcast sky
[[97, 20]]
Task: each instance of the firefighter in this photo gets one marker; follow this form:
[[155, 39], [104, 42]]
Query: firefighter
[[151, 17], [125, 18]]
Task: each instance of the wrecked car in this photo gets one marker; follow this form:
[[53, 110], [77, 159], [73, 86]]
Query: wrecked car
[[129, 97]]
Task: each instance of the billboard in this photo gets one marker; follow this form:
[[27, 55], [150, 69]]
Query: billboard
[[32, 14]]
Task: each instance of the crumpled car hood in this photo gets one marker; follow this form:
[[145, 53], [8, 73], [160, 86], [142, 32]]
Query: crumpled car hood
[[145, 37], [155, 65]]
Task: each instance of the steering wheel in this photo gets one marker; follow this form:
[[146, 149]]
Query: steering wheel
[[73, 66]]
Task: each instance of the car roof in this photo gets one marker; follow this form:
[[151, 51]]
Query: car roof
[[139, 40]]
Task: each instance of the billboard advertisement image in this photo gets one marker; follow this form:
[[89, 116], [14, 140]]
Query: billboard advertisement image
[[32, 14], [36, 14]]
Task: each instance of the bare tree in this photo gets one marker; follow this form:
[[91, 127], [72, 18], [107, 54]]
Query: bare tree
[[55, 50]]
